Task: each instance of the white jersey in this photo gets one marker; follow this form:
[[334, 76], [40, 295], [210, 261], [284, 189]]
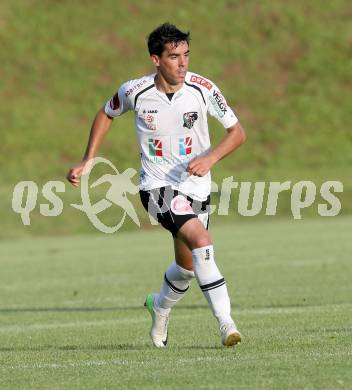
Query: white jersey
[[172, 133]]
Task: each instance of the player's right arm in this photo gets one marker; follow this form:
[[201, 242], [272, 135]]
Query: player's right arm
[[100, 127], [116, 106]]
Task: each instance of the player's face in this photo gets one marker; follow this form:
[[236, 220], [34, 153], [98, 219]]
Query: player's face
[[173, 62]]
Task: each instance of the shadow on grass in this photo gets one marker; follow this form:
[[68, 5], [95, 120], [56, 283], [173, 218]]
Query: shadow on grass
[[87, 309], [103, 347], [179, 307]]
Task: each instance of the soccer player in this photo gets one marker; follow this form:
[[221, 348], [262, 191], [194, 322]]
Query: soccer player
[[170, 108]]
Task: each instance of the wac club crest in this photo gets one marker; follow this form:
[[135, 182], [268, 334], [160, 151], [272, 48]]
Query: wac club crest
[[189, 118]]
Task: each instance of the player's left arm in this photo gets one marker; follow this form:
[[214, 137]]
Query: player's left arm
[[234, 138]]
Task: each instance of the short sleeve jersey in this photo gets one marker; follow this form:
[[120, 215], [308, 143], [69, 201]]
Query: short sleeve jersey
[[172, 132]]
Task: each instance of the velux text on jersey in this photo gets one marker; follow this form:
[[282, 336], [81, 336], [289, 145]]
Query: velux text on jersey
[[218, 103]]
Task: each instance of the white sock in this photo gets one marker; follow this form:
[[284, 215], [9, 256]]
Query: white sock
[[212, 283], [176, 283]]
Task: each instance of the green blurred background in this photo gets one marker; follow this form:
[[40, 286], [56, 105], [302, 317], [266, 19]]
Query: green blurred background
[[285, 68]]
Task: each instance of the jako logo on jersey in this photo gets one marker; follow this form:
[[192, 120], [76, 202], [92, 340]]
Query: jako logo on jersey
[[218, 102], [189, 118], [185, 146], [150, 111], [207, 255], [155, 147], [201, 81]]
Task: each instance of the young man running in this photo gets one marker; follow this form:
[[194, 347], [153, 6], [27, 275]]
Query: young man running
[[170, 108]]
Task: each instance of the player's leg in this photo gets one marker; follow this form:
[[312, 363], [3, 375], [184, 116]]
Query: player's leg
[[209, 278], [177, 278], [183, 254], [175, 284], [178, 275], [174, 215]]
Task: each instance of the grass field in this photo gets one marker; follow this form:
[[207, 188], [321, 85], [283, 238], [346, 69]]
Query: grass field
[[72, 313], [71, 309]]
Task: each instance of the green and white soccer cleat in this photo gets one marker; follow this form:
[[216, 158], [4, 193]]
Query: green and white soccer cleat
[[158, 331], [229, 334]]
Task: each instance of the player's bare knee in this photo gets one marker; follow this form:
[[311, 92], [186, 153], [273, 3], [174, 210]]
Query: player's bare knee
[[200, 239]]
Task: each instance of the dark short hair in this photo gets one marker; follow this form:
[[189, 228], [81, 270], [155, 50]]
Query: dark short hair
[[165, 33]]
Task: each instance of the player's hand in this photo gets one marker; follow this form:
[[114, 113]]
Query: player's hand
[[200, 166], [77, 171]]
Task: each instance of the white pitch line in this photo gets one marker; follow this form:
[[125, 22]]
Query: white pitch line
[[78, 324], [151, 362], [119, 362], [294, 309], [103, 322]]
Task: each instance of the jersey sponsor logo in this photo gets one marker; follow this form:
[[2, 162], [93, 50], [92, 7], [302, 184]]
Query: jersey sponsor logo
[[149, 118], [150, 111], [185, 146], [135, 88], [181, 205], [189, 118], [155, 147], [201, 81], [218, 102], [150, 121], [115, 102]]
